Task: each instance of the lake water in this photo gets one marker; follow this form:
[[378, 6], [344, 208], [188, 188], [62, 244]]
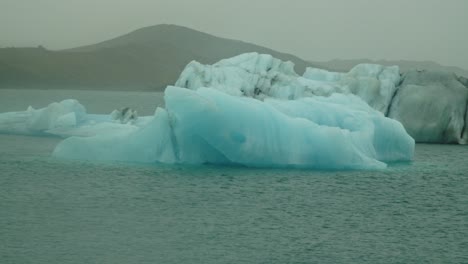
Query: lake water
[[54, 211]]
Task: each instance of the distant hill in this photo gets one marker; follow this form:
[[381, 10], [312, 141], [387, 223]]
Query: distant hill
[[346, 65], [146, 59]]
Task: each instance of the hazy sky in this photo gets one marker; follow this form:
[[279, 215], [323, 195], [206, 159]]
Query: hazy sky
[[313, 29]]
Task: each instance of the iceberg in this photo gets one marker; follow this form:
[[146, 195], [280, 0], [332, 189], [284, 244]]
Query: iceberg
[[251, 110], [63, 115], [432, 106], [66, 118], [207, 126], [148, 143]]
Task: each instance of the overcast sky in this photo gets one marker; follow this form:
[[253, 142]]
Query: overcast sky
[[434, 30]]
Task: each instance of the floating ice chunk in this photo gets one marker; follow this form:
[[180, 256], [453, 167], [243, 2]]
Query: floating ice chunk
[[67, 118], [66, 114], [432, 106], [209, 126], [149, 143], [249, 132]]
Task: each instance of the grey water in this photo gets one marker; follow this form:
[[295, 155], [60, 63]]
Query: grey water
[[55, 211], [96, 102]]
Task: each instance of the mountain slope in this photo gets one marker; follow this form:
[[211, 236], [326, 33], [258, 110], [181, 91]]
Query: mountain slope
[[147, 59], [405, 65]]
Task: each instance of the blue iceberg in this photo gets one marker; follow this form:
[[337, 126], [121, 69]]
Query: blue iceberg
[[251, 110], [207, 126]]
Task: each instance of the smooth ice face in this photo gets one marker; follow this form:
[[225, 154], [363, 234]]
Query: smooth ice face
[[209, 126], [262, 76], [348, 112], [151, 142], [312, 132]]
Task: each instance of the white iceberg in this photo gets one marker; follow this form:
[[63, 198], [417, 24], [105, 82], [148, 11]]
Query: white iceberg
[[432, 106], [66, 118], [262, 76], [56, 116]]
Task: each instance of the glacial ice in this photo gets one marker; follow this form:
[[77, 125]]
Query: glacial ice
[[262, 76], [56, 116], [250, 110], [432, 107], [209, 126], [66, 118], [151, 142]]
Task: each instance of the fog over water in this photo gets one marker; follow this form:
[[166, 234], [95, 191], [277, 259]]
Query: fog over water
[[315, 30]]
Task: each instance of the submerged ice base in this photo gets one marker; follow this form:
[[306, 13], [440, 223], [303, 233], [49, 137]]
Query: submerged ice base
[[209, 126]]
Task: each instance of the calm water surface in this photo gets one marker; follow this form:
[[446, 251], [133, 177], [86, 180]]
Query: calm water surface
[[54, 211], [96, 102]]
